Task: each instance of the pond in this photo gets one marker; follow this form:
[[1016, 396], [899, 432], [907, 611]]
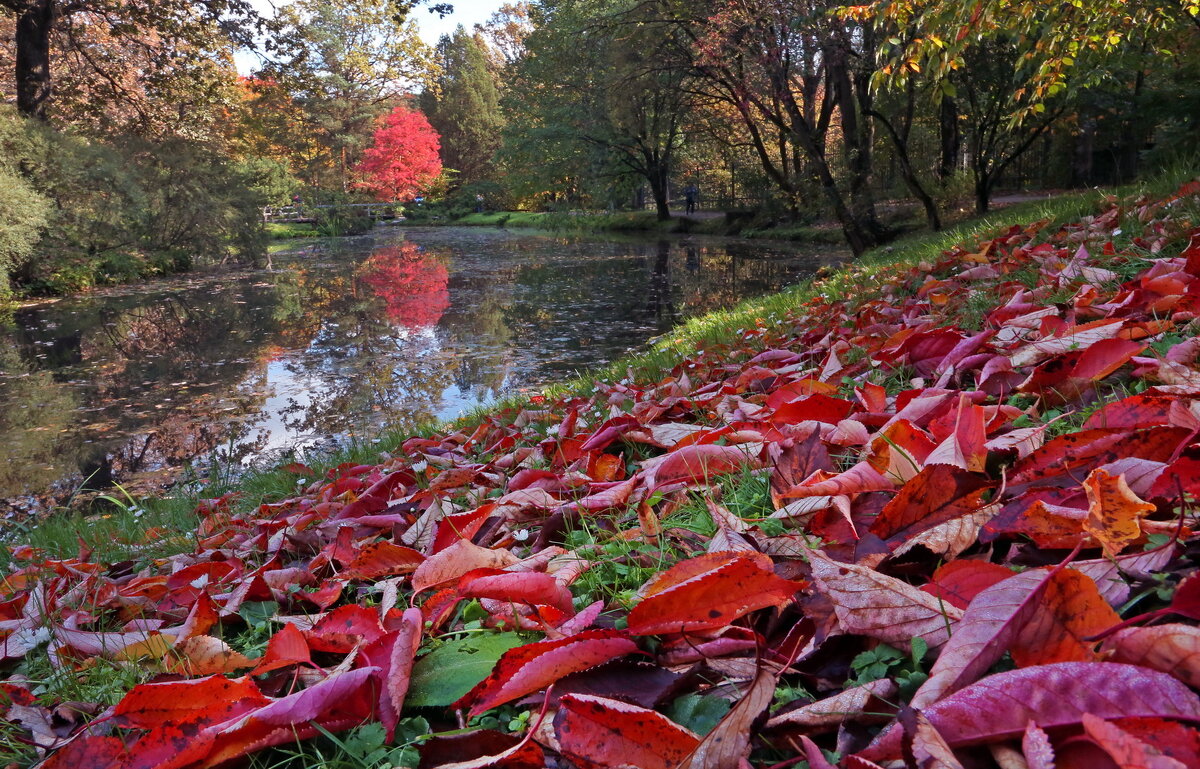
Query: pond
[[338, 340]]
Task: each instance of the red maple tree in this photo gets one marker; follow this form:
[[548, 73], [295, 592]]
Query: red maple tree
[[403, 158]]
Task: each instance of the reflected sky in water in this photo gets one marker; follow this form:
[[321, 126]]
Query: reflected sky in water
[[340, 339]]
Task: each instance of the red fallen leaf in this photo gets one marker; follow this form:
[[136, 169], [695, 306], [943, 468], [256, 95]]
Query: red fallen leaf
[[1172, 738], [1040, 616], [1131, 413], [1186, 600], [456, 560], [297, 468], [958, 582], [1171, 648], [860, 478], [691, 464], [199, 701], [937, 494], [393, 656], [924, 350], [802, 388], [481, 749], [609, 432], [1183, 473], [1000, 706], [198, 575], [344, 628], [816, 759], [382, 559], [1077, 454], [1035, 744], [529, 587], [707, 592], [820, 408], [453, 478], [728, 744], [529, 668], [453, 528], [876, 605], [88, 752], [179, 717], [903, 448], [599, 733], [1127, 751], [1114, 511], [965, 446], [1065, 378], [14, 694], [339, 702], [376, 497], [286, 647], [794, 461]]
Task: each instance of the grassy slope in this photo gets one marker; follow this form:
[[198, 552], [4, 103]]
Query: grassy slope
[[172, 519]]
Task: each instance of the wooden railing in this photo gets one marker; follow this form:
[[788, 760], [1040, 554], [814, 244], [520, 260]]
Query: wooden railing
[[308, 213]]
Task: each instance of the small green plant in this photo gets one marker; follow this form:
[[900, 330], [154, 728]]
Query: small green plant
[[888, 662]]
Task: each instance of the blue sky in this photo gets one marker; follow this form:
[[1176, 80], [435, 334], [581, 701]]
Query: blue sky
[[466, 12]]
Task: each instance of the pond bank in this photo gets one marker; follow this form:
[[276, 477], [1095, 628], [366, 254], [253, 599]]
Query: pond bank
[[731, 224]]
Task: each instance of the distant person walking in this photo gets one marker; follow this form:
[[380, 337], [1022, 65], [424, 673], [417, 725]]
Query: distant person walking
[[690, 195], [479, 203]]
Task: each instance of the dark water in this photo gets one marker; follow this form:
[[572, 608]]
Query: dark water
[[339, 340]]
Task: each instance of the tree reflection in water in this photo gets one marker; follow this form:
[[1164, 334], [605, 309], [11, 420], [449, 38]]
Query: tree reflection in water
[[338, 341]]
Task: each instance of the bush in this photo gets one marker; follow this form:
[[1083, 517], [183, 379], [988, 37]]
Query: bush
[[76, 212], [23, 215]]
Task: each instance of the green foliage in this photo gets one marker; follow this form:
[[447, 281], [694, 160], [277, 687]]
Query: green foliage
[[272, 180], [449, 671], [888, 662], [700, 714], [110, 214], [464, 107], [23, 215]]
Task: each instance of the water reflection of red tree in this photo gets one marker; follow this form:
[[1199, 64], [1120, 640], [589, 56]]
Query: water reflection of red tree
[[413, 285]]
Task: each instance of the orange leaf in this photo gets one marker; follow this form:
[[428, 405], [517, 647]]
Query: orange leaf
[[1114, 511], [382, 559], [599, 732], [709, 592], [529, 668], [458, 559]]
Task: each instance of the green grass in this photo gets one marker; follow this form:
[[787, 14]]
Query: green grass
[[286, 230]]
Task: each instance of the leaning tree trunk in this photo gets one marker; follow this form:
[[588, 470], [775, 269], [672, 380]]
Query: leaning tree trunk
[[33, 57], [658, 186]]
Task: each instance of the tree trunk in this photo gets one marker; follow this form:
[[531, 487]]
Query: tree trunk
[[658, 186], [950, 138], [983, 193], [33, 57]]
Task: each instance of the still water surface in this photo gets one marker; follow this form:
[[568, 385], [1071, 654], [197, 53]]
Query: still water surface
[[340, 339]]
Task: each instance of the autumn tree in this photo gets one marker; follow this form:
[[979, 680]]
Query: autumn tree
[[606, 90], [794, 72], [163, 29], [403, 157], [345, 64], [463, 106]]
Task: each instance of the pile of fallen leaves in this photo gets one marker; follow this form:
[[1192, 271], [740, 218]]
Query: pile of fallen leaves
[[975, 547]]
